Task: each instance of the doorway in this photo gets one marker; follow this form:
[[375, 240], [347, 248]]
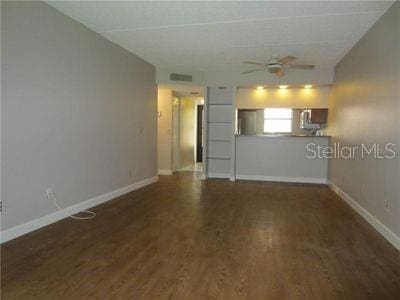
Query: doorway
[[199, 133], [180, 129], [191, 133]]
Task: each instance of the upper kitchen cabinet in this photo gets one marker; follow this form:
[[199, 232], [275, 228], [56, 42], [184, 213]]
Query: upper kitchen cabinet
[[318, 115]]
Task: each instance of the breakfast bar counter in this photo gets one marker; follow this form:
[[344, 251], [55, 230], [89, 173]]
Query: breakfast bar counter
[[281, 157]]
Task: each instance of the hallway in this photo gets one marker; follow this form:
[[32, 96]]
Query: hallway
[[196, 167]]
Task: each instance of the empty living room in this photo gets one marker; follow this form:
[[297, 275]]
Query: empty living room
[[200, 150]]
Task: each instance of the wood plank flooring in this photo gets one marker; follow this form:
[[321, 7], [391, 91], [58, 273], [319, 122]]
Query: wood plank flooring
[[183, 238]]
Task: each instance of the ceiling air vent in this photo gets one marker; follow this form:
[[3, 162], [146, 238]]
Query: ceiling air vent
[[180, 77]]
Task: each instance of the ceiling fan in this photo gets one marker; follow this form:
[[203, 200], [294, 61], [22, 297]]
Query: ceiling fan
[[277, 65]]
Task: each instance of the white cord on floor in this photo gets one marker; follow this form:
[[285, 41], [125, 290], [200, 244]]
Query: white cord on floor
[[91, 213]]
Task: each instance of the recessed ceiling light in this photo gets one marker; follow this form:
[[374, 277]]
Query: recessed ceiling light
[[260, 87], [308, 86], [283, 86]]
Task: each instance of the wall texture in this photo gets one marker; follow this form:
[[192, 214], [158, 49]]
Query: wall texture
[[78, 113], [164, 134], [317, 97], [365, 108]]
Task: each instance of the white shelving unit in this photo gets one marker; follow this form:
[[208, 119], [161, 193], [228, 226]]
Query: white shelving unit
[[219, 133]]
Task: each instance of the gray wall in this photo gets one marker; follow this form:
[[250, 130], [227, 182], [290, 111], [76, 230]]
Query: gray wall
[[365, 108], [78, 113]]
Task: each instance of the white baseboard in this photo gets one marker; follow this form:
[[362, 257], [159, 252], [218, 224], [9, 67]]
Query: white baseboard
[[22, 229], [282, 179], [219, 175], [164, 172], [378, 225]]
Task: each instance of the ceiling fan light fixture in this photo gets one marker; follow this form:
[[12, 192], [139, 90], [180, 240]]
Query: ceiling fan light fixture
[[277, 66], [283, 86], [274, 68], [308, 86], [260, 87]]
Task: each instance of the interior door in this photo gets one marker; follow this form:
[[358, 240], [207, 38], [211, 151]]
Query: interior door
[[199, 134]]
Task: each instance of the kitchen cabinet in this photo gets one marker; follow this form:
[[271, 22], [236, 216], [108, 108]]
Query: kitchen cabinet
[[318, 115]]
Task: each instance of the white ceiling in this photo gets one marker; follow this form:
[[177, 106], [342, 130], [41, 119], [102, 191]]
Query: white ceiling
[[217, 36]]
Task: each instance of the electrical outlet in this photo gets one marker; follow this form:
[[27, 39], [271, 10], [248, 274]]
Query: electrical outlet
[[49, 193], [387, 204]]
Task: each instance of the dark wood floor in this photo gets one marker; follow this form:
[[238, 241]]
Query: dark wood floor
[[182, 238]]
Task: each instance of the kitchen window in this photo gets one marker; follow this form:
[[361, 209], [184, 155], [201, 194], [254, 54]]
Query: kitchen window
[[277, 120]]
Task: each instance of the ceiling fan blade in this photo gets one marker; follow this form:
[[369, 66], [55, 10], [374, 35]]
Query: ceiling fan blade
[[252, 63], [306, 67], [280, 73], [251, 71], [286, 59]]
